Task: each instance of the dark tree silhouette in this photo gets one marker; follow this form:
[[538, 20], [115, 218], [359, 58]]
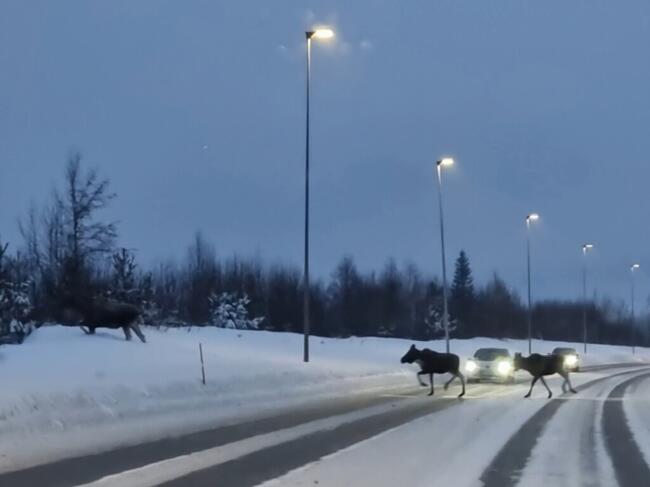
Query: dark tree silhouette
[[345, 296], [65, 241], [123, 281], [84, 195], [67, 245], [201, 279], [462, 296]]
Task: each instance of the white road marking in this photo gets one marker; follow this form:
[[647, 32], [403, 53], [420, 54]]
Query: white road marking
[[407, 396], [173, 468]]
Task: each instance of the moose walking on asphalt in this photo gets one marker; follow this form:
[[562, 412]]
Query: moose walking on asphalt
[[540, 365], [431, 362]]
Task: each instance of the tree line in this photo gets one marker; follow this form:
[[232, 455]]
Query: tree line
[[68, 249]]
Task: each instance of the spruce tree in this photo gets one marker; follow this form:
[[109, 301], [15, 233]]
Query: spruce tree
[[462, 295]]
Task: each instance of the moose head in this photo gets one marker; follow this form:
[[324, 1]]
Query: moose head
[[411, 356]]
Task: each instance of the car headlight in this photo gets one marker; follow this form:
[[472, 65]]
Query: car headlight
[[570, 360], [471, 366], [504, 367]]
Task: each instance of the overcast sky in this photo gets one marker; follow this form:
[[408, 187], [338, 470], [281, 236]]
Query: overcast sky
[[195, 111]]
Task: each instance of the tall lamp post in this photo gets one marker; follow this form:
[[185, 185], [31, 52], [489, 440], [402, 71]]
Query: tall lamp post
[[309, 35], [532, 217], [444, 162], [633, 268], [585, 248]]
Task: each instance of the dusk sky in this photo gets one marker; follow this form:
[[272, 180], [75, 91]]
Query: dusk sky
[[195, 112]]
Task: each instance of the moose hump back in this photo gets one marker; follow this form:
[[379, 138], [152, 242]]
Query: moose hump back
[[110, 312]]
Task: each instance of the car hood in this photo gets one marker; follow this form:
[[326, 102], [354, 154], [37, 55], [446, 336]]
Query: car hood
[[491, 362]]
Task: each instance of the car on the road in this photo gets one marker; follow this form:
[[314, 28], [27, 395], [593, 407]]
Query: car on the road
[[571, 358], [490, 364]]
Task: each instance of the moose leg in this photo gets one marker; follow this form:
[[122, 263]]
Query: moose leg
[[462, 382], [420, 380], [532, 384], [449, 381], [136, 328], [431, 380], [567, 381], [85, 330], [564, 386], [550, 394], [127, 333]]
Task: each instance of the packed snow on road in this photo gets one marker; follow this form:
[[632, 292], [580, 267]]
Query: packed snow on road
[[67, 394]]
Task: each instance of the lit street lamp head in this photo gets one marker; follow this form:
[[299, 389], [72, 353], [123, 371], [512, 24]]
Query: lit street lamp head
[[587, 247], [532, 217], [634, 267], [321, 33], [445, 161]]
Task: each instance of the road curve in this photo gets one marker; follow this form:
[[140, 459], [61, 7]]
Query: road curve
[[508, 465], [391, 409], [629, 464]]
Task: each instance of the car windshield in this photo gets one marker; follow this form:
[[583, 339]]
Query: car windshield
[[561, 350], [491, 353]]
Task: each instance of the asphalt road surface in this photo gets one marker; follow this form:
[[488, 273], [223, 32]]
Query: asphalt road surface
[[250, 453], [630, 470]]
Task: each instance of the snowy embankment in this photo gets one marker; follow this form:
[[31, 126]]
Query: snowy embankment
[[65, 393]]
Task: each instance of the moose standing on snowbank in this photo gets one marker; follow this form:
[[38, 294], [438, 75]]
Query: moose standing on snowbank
[[540, 365], [431, 362], [90, 314]]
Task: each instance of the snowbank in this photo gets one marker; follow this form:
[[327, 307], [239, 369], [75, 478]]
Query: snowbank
[[65, 393]]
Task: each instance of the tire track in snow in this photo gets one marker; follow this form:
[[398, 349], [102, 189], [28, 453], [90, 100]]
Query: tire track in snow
[[268, 463], [508, 465], [570, 450], [80, 470], [629, 464], [637, 412]]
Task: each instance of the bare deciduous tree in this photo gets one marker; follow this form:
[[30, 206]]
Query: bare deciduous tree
[[86, 194], [64, 240]]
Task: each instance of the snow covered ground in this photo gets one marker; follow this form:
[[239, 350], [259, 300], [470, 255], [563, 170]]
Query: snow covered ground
[[65, 393]]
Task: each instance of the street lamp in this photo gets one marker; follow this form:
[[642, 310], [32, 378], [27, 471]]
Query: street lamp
[[585, 248], [633, 268], [444, 162], [322, 34], [531, 217]]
